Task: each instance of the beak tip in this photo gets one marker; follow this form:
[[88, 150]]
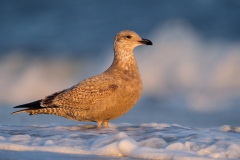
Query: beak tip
[[149, 43], [146, 42]]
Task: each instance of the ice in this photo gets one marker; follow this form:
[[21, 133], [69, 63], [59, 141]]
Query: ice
[[125, 141]]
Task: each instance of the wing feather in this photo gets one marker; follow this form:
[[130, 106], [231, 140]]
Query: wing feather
[[86, 94]]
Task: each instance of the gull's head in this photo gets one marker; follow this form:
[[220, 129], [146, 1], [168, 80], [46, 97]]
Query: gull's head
[[129, 40]]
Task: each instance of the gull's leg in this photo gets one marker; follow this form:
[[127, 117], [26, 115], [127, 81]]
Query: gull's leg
[[99, 123], [105, 124]]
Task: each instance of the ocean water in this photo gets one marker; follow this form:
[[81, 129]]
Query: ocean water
[[191, 89]]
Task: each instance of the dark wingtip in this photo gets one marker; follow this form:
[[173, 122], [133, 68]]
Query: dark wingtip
[[35, 104], [146, 41]]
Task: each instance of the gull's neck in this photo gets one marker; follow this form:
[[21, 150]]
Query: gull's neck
[[124, 59], [125, 64]]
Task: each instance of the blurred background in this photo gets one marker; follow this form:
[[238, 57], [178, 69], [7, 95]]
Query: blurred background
[[191, 75]]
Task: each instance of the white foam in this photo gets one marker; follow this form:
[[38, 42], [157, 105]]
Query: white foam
[[147, 141]]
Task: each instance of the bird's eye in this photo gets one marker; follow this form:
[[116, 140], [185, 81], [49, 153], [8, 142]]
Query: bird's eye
[[129, 37]]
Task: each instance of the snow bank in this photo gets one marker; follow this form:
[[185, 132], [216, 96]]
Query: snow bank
[[147, 141]]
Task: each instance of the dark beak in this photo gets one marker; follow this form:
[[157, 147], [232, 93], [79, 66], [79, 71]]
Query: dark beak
[[146, 41]]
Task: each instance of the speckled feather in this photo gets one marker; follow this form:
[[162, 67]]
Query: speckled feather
[[103, 97]]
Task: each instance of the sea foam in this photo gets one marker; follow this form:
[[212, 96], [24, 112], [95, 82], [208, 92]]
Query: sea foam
[[146, 141]]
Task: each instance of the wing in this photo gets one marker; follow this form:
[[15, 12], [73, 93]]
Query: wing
[[84, 95]]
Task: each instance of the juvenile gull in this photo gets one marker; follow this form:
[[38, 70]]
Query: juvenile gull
[[103, 97]]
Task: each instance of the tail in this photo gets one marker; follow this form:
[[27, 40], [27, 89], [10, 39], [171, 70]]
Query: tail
[[29, 106], [36, 108]]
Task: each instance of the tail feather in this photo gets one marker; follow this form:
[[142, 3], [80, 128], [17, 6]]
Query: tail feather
[[29, 106], [22, 111], [34, 108]]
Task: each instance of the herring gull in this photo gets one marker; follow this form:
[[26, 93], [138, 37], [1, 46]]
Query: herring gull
[[103, 97]]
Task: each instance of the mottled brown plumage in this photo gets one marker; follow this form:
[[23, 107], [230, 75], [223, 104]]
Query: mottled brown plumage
[[103, 97]]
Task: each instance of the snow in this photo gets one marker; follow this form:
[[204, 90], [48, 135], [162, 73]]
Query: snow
[[125, 141]]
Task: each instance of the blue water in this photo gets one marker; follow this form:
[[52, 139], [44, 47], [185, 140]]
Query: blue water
[[70, 27]]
